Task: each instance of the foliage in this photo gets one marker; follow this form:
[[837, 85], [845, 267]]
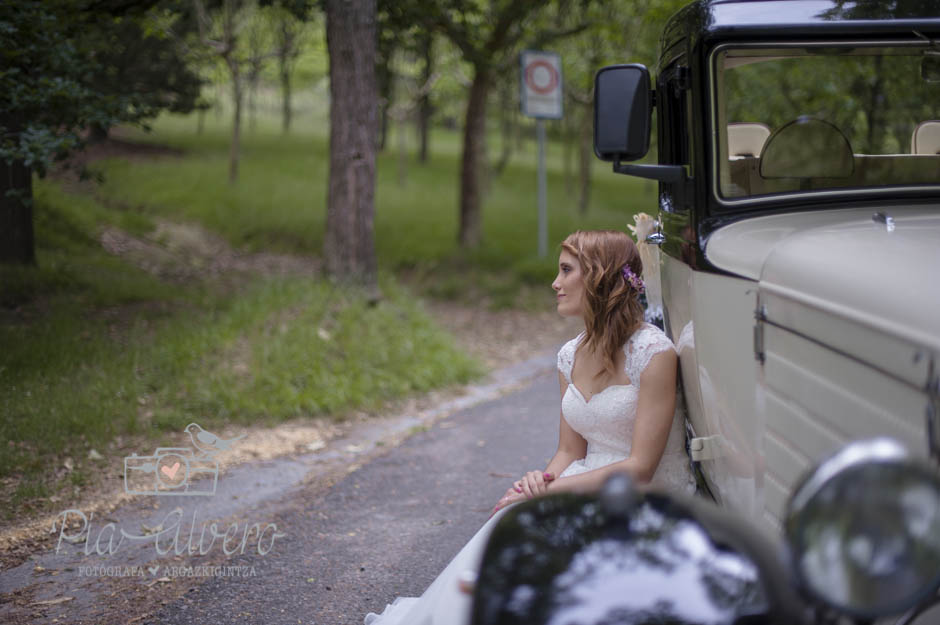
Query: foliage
[[69, 65], [143, 65], [875, 97]]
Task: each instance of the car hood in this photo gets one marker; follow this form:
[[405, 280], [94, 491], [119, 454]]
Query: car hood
[[847, 263]]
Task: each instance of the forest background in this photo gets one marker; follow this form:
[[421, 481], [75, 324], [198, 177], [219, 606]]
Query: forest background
[[230, 211]]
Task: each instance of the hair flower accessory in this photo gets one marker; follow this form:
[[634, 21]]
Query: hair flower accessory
[[635, 281]]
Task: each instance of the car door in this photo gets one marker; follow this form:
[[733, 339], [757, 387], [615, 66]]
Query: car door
[[709, 315]]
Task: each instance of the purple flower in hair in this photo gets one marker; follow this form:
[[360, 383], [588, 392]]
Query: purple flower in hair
[[635, 281]]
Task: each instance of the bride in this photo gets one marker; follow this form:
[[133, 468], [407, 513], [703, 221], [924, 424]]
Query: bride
[[618, 407]]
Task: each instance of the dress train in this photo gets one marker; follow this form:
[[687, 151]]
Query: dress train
[[442, 603]]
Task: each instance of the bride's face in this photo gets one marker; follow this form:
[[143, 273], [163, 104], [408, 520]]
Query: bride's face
[[568, 286]]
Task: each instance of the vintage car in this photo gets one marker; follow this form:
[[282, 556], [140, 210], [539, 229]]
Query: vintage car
[[798, 228]]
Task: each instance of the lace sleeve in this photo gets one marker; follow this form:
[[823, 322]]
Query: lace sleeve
[[642, 346], [566, 357]]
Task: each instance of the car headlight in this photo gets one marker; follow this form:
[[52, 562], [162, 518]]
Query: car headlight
[[864, 530]]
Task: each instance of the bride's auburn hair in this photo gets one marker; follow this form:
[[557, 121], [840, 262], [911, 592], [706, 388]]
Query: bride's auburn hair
[[612, 309]]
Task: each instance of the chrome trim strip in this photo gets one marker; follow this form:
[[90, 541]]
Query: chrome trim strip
[[776, 197]]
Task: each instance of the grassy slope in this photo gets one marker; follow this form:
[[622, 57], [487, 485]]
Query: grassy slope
[[94, 349], [97, 348], [416, 224]]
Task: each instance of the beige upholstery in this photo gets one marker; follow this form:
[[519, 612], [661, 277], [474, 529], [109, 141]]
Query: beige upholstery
[[926, 138], [746, 139]]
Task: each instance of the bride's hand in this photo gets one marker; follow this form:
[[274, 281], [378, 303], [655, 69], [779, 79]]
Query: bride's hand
[[533, 483], [510, 497]]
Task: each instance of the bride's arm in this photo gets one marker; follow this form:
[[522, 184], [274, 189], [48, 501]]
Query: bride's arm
[[656, 406]]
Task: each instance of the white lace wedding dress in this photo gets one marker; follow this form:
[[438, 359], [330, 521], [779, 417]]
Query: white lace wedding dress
[[606, 423]]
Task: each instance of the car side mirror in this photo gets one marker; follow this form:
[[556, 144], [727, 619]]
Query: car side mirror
[[622, 110]]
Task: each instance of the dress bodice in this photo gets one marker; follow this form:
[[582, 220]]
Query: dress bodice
[[606, 419]]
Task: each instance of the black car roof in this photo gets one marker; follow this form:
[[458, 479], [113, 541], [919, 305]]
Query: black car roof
[[819, 12], [738, 19]]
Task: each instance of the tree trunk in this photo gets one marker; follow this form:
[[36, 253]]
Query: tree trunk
[[876, 129], [218, 106], [235, 146], [505, 119], [424, 104], [16, 214], [286, 52], [382, 137], [568, 139], [252, 99], [470, 234], [97, 133], [386, 87], [586, 152], [402, 122], [349, 246], [284, 67]]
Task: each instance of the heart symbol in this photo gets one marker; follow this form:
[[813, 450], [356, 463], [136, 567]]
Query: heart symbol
[[153, 569], [170, 471]]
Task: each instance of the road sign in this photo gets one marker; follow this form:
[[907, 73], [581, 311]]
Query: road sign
[[541, 84], [542, 99]]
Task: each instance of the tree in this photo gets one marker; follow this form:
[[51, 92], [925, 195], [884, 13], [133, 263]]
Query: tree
[[51, 89], [425, 106], [488, 35], [619, 34], [400, 31], [288, 36], [349, 246], [221, 37], [142, 64], [258, 32], [282, 29]]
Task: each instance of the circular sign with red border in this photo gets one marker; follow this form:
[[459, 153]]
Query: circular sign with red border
[[541, 77]]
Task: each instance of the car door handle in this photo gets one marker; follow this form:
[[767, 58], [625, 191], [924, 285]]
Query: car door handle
[[656, 238], [707, 448]]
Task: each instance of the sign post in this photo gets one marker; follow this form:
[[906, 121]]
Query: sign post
[[542, 99]]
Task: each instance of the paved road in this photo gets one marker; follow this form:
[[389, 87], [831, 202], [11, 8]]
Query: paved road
[[388, 527]]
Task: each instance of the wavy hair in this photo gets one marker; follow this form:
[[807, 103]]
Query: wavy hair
[[612, 309]]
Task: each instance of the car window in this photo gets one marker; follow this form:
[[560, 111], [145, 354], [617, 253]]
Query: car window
[[825, 118]]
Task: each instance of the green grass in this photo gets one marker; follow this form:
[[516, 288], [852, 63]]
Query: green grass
[[279, 200], [94, 348]]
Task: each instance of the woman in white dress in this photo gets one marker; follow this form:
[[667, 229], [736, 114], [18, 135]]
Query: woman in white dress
[[618, 407]]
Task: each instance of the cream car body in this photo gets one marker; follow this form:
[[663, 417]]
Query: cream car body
[[825, 330], [799, 213]]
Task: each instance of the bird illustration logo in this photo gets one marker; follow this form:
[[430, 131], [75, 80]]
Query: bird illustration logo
[[207, 443]]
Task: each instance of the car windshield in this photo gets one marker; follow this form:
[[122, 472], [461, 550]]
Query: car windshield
[[814, 118]]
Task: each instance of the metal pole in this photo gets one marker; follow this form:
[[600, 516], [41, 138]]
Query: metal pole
[[543, 219]]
